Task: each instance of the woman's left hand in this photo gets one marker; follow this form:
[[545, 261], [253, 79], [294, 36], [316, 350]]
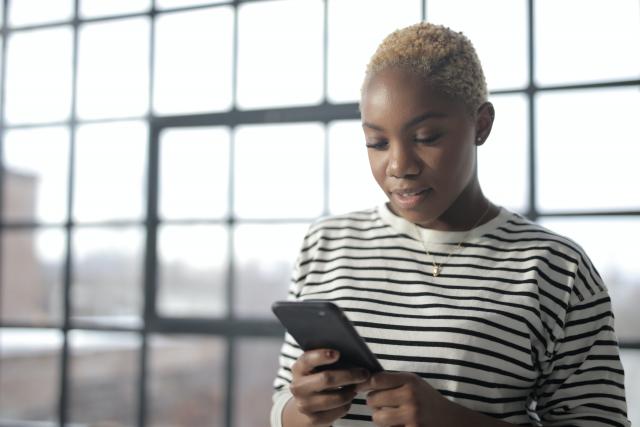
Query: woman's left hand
[[404, 399]]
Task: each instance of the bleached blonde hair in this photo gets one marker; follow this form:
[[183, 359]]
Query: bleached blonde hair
[[444, 57]]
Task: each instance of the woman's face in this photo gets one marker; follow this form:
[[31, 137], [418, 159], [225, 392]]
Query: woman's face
[[421, 146]]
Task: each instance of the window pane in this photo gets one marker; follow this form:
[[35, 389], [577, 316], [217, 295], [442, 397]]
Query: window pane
[[193, 264], [113, 69], [351, 184], [29, 375], [38, 86], [611, 243], [32, 263], [498, 31], [187, 381], [110, 167], [506, 154], [103, 378], [98, 8], [265, 256], [32, 12], [194, 172], [107, 276], [257, 363], [356, 27], [36, 165], [279, 53], [587, 150], [568, 50], [168, 4], [279, 170], [631, 363], [193, 61]]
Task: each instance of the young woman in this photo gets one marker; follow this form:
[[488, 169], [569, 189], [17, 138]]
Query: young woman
[[478, 316]]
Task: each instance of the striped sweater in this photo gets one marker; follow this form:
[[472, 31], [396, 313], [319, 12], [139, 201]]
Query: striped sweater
[[518, 325]]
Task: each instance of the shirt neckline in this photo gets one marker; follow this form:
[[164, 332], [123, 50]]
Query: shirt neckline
[[430, 236]]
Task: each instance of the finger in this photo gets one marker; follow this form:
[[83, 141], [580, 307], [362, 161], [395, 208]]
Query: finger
[[389, 417], [386, 380], [326, 401], [309, 360], [387, 398], [327, 381]]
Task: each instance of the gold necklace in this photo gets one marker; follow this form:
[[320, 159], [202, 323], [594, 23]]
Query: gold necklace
[[437, 268]]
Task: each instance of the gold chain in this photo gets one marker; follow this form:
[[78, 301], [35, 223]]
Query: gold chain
[[437, 268]]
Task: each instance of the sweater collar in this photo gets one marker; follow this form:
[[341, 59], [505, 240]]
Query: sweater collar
[[427, 235]]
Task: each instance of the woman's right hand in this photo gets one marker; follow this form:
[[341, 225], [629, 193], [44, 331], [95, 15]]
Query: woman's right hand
[[320, 398]]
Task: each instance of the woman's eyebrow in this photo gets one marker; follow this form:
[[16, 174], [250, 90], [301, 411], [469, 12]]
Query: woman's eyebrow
[[414, 121]]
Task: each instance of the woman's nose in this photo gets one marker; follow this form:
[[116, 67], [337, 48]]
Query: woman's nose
[[403, 161]]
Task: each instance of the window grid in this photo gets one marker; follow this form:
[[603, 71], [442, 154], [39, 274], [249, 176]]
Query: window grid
[[228, 328]]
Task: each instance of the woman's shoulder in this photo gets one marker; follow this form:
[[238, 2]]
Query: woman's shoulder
[[359, 220]]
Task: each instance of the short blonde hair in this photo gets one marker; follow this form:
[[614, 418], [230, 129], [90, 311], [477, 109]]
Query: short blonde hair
[[445, 57]]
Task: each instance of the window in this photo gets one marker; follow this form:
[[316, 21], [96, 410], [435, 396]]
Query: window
[[161, 161]]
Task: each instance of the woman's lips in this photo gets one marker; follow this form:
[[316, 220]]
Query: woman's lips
[[408, 199]]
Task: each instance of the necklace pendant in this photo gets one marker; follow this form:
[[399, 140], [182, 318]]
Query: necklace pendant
[[436, 270]]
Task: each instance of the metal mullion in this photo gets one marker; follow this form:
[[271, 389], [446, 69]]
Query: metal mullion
[[68, 264], [532, 212], [151, 226], [325, 51], [423, 10], [230, 300], [3, 69], [313, 113]]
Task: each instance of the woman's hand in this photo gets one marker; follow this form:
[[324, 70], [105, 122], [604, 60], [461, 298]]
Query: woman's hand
[[320, 398], [405, 399]]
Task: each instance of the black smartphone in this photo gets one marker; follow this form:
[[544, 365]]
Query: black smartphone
[[321, 324]]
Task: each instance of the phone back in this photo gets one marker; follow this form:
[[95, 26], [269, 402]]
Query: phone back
[[321, 324]]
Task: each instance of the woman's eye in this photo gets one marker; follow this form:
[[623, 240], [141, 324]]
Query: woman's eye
[[377, 145], [427, 140]]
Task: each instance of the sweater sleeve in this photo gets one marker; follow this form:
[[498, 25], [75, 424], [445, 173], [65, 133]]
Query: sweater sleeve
[[584, 380], [290, 350]]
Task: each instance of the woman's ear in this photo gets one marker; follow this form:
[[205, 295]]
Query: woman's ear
[[484, 122]]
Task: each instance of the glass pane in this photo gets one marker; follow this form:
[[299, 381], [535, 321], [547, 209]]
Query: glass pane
[[265, 256], [32, 266], [631, 363], [498, 31], [256, 361], [197, 78], [98, 8], [351, 184], [38, 86], [611, 243], [194, 172], [356, 28], [187, 377], [568, 50], [279, 170], [36, 163], [107, 276], [113, 69], [193, 265], [587, 146], [280, 53], [508, 141], [110, 171], [169, 4], [103, 378], [32, 12], [29, 376]]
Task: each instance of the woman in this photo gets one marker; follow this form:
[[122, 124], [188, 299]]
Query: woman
[[479, 316]]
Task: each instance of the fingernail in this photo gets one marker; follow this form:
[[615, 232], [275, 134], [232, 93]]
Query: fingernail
[[330, 354]]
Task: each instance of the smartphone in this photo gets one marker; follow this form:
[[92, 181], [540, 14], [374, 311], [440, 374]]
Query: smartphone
[[321, 324]]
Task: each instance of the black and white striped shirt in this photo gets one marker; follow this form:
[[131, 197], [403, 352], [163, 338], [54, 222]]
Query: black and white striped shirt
[[518, 325]]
